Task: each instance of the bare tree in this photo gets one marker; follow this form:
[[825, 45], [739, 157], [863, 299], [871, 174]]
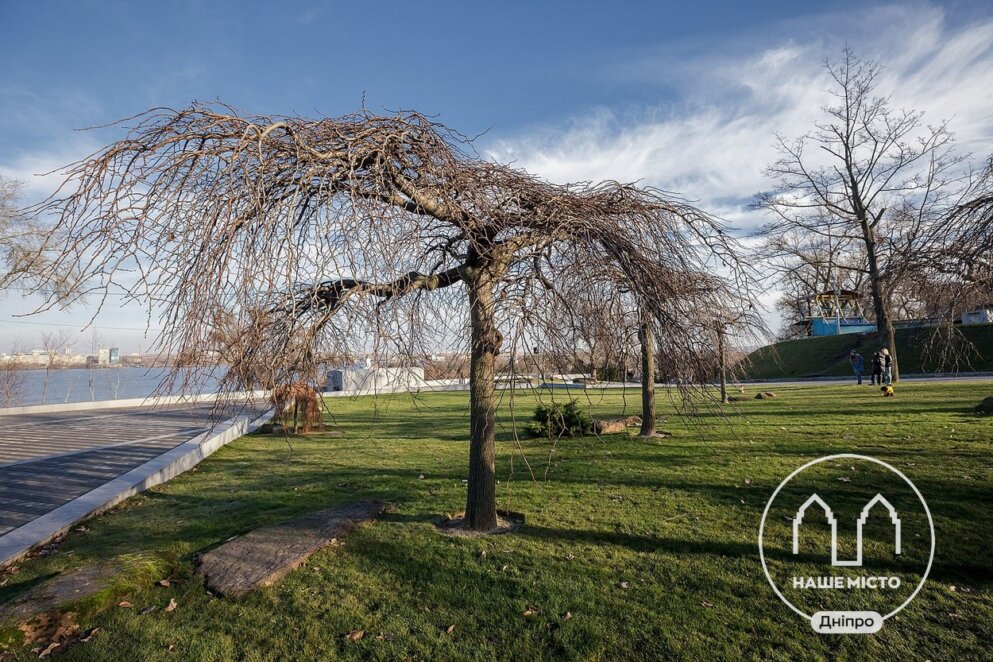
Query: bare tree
[[96, 340], [803, 264], [879, 175], [53, 344], [318, 236], [21, 260], [966, 239], [957, 276], [12, 234], [11, 379]]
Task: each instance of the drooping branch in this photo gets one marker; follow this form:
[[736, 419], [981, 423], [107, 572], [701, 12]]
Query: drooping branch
[[279, 242]]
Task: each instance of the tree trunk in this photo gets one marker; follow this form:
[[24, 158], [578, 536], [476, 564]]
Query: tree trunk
[[480, 507], [647, 337], [722, 365], [884, 325], [891, 341]]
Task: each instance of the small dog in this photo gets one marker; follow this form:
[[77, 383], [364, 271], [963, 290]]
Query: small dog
[[887, 391]]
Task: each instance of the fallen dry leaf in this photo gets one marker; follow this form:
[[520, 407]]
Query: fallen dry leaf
[[450, 629], [89, 635], [706, 604], [567, 616], [172, 605], [530, 611], [165, 583], [355, 635], [125, 605], [622, 585], [48, 651]]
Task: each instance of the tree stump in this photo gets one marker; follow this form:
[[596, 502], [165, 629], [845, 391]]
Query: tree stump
[[264, 556]]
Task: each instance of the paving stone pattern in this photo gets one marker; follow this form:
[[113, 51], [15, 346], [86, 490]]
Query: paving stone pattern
[[47, 460]]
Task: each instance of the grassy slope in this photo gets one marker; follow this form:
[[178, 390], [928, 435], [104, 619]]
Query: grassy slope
[[675, 519], [828, 355]]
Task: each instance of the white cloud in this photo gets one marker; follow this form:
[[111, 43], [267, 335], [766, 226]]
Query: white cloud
[[40, 172], [714, 144]]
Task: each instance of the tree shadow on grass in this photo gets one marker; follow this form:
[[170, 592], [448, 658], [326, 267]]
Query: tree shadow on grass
[[15, 588], [734, 549]]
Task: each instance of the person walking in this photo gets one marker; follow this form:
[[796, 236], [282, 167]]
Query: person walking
[[877, 368], [858, 365], [887, 366]]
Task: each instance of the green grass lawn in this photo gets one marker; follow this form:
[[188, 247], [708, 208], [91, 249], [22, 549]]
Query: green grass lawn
[[676, 519]]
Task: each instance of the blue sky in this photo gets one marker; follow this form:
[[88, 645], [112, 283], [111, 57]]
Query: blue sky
[[684, 96]]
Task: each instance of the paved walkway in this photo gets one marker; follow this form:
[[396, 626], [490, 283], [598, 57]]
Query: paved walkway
[[47, 460]]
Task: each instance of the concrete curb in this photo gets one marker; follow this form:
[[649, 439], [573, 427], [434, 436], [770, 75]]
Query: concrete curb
[[15, 544], [150, 401]]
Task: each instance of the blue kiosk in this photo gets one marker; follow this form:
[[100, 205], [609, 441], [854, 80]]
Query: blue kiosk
[[837, 312]]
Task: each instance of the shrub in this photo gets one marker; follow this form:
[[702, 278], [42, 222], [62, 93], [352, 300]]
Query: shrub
[[300, 401], [557, 420]]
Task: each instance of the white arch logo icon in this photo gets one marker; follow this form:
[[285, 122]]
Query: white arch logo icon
[[833, 523], [850, 621]]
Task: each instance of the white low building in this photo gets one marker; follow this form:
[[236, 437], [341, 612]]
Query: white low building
[[363, 378], [981, 315]]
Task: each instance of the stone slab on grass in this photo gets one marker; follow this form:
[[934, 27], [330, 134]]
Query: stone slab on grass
[[264, 556], [59, 590]]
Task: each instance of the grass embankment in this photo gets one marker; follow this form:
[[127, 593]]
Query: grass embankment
[[675, 519], [828, 355]]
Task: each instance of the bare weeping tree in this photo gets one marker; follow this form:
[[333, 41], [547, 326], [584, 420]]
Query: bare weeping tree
[[957, 276], [966, 237], [365, 234], [881, 175]]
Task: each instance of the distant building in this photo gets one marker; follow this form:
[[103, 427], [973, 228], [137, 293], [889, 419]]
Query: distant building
[[833, 313], [980, 315], [108, 356], [368, 378]]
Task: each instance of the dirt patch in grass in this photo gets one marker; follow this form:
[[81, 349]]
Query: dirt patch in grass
[[507, 521]]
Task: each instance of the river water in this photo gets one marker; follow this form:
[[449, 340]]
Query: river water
[[34, 387]]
